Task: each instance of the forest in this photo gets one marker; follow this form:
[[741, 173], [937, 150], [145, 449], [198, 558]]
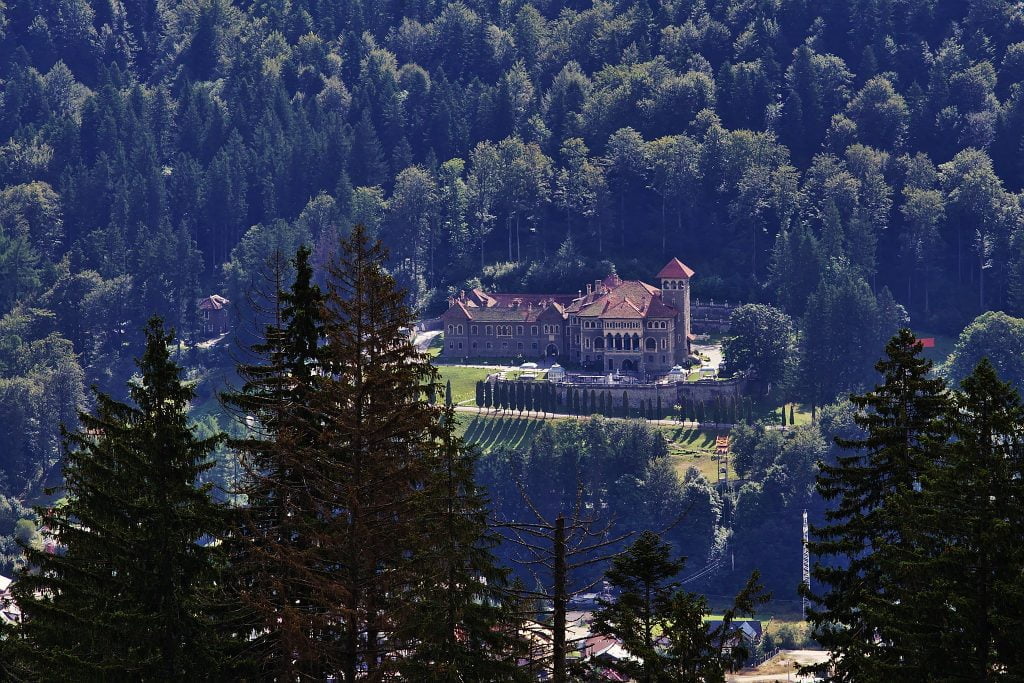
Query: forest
[[863, 154], [852, 165]]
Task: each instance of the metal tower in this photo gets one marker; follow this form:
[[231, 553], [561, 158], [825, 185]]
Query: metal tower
[[806, 571]]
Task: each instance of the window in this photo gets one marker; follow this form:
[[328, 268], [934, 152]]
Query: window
[[572, 320], [451, 329], [473, 329], [586, 343], [490, 346], [504, 345], [663, 359], [460, 346], [519, 330], [474, 346], [489, 330], [533, 330], [535, 345], [664, 343], [504, 330], [650, 359], [451, 345], [519, 346], [459, 330]]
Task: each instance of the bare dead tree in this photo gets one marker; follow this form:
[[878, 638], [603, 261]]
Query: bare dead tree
[[556, 550]]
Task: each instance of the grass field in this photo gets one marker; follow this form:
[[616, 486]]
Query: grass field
[[463, 382], [694, 448], [489, 433], [687, 447]]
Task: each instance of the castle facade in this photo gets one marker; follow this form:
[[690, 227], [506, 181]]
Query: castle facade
[[614, 325]]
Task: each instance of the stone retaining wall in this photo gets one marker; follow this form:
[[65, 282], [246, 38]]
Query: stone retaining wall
[[670, 394], [710, 317]]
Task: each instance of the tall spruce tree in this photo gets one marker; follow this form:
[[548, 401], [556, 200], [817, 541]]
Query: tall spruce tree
[[865, 613], [460, 623], [644, 576], [275, 567], [127, 595], [393, 463], [969, 520]]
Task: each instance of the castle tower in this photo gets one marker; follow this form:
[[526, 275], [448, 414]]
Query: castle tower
[[675, 291]]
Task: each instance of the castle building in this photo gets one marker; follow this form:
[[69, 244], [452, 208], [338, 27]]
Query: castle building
[[614, 325]]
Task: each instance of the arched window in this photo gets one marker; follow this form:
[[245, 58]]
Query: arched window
[[636, 341], [652, 345], [599, 342], [618, 342]]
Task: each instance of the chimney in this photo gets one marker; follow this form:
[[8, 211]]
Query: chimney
[[597, 286], [588, 288], [462, 296]]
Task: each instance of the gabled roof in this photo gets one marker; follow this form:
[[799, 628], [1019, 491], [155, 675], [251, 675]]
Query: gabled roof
[[675, 269], [629, 299], [214, 302]]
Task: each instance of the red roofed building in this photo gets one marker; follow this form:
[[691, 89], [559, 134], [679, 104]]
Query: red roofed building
[[615, 325]]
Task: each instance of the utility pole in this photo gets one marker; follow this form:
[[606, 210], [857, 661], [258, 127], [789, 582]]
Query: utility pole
[[806, 571]]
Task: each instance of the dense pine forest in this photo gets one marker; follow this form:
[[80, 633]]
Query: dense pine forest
[[853, 165]]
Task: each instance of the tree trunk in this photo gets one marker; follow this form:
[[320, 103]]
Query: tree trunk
[[559, 674]]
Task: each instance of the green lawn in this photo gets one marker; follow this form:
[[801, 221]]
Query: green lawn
[[687, 447], [492, 432], [694, 448], [463, 382]]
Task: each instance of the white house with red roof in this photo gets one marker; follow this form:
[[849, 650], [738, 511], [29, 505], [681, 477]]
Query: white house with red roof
[[615, 325]]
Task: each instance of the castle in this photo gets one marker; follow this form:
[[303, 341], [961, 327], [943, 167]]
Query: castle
[[615, 325]]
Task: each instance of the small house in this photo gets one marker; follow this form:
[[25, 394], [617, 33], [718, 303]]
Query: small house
[[213, 314]]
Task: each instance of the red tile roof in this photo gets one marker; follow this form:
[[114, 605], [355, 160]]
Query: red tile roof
[[675, 269], [628, 299]]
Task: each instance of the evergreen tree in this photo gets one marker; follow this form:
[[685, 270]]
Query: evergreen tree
[[459, 623], [865, 615], [274, 565], [380, 466], [128, 596], [663, 627], [448, 394], [967, 546], [643, 576], [479, 394]]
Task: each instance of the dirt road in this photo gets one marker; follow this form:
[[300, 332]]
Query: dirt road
[[781, 667]]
